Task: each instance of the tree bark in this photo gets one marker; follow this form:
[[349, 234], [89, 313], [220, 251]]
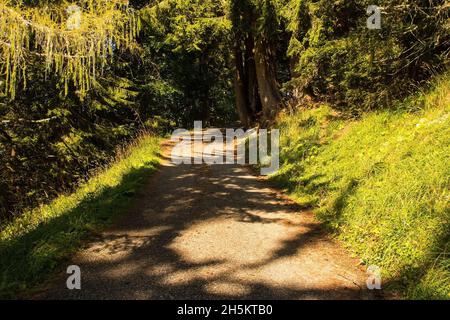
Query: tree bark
[[252, 82], [269, 93], [240, 88]]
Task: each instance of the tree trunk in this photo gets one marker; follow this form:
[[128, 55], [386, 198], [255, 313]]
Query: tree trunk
[[267, 83], [252, 82], [205, 99], [240, 88]]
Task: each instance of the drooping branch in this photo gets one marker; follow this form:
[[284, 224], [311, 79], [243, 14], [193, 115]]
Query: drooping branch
[[77, 52], [46, 120]]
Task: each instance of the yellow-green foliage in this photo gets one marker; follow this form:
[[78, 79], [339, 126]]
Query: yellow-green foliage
[[33, 244], [382, 183], [77, 52]]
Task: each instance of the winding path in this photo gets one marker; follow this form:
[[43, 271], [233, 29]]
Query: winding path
[[213, 232]]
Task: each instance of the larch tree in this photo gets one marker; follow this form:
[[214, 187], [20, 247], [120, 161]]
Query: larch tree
[[74, 39]]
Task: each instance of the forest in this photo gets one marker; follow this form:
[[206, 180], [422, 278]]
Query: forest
[[82, 80]]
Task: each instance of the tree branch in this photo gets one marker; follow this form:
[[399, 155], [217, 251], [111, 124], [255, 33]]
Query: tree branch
[[29, 121]]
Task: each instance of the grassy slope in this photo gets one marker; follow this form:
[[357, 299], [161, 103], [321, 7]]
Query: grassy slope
[[33, 245], [381, 183]]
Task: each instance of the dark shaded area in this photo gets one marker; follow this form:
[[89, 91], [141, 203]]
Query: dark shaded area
[[32, 257]]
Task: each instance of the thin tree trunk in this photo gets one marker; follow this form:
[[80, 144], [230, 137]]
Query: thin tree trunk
[[204, 96], [252, 82], [241, 88]]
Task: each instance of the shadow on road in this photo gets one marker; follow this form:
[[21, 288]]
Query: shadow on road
[[213, 232]]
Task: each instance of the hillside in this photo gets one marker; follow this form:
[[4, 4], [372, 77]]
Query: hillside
[[380, 182]]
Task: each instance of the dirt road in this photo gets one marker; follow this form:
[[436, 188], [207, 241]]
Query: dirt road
[[212, 232]]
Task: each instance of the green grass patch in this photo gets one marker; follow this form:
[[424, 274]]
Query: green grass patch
[[33, 245], [381, 183]]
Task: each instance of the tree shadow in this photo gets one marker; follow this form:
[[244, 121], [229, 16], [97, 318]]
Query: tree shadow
[[428, 280], [179, 241], [32, 257]]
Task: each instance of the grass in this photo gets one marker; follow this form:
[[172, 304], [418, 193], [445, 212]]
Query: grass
[[380, 183], [33, 245]]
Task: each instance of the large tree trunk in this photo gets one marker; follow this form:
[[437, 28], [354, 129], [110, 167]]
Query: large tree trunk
[[269, 93]]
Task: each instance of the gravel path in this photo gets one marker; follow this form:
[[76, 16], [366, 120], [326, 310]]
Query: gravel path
[[213, 232]]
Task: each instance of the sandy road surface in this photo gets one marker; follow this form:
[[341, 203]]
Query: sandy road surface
[[212, 232]]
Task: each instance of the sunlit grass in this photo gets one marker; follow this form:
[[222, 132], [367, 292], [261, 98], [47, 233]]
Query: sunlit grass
[[381, 183], [35, 243]]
